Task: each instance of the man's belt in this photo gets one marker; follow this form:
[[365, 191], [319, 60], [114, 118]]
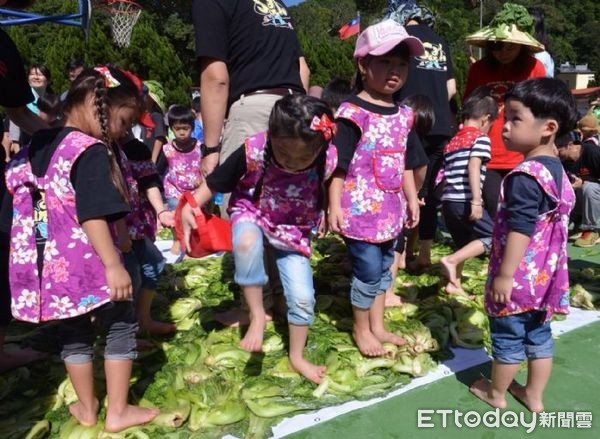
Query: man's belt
[[280, 91]]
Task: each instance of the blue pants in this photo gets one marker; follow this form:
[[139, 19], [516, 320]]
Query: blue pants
[[294, 271], [521, 336], [371, 276]]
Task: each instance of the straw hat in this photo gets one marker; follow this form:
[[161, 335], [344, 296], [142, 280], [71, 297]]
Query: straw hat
[[512, 24]]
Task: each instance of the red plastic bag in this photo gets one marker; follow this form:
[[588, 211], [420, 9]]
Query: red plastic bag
[[212, 235]]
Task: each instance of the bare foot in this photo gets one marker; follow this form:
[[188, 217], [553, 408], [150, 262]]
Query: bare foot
[[392, 299], [88, 417], [449, 270], [154, 327], [237, 317], [310, 371], [388, 337], [368, 344], [482, 389], [12, 360], [132, 415], [253, 340], [520, 394]]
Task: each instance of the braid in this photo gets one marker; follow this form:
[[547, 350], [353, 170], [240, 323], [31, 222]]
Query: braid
[[321, 165], [266, 162], [102, 110]]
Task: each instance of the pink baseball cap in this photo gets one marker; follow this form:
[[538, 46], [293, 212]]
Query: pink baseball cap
[[382, 37]]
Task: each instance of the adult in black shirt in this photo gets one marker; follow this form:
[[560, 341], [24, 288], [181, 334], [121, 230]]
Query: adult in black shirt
[[249, 57], [432, 75]]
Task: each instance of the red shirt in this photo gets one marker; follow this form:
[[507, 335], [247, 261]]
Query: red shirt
[[500, 78]]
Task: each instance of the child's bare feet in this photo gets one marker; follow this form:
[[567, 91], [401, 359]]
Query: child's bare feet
[[482, 389], [86, 416], [520, 394], [253, 340], [132, 415], [12, 360], [388, 337], [449, 270], [392, 299], [237, 317], [154, 327], [367, 343], [309, 370]]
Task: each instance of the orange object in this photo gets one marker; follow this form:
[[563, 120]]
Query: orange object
[[212, 235]]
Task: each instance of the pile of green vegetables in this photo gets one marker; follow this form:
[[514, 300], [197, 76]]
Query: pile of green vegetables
[[206, 386]]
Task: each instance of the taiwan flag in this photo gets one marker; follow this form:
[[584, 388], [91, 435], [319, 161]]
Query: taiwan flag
[[350, 28]]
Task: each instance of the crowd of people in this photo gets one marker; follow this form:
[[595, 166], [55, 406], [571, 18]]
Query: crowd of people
[[93, 172]]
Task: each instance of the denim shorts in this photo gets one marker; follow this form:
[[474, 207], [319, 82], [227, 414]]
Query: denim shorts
[[294, 269], [520, 336], [371, 275], [77, 334], [151, 261], [463, 230]]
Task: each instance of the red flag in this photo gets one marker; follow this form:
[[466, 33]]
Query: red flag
[[350, 28]]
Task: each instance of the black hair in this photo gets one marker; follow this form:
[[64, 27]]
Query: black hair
[[126, 94], [540, 29], [402, 50], [547, 98], [520, 61], [291, 117], [423, 111], [479, 103], [180, 114], [336, 91], [196, 104], [50, 104], [45, 71], [75, 63]]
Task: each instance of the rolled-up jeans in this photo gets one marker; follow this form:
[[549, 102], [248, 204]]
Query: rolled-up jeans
[[590, 204], [77, 334], [294, 268], [371, 275]]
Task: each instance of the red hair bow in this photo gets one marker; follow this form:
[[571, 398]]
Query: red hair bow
[[325, 125]]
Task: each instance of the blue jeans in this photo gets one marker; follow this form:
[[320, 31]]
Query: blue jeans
[[521, 336], [132, 265], [371, 275], [295, 271], [77, 334]]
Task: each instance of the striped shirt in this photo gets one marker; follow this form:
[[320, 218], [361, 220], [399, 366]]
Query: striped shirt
[[469, 142]]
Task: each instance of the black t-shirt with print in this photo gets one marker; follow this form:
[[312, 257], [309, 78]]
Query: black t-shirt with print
[[428, 75], [255, 38]]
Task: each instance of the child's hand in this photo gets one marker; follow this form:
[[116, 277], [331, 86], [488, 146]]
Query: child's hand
[[188, 223], [119, 283], [166, 218], [322, 231], [335, 219], [501, 289], [577, 183], [476, 212], [413, 213]]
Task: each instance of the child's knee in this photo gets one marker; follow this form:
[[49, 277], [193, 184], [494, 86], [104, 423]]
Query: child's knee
[[248, 243]]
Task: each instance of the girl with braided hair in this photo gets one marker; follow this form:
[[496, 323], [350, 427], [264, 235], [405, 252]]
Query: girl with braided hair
[[64, 260], [278, 196]]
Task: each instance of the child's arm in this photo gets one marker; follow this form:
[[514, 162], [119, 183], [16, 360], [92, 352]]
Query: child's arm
[[166, 218], [117, 278], [410, 192], [123, 236], [202, 195], [336, 215], [475, 185], [514, 251]]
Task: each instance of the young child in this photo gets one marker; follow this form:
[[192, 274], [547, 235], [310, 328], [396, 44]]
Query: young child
[[465, 158], [64, 264], [371, 190], [528, 279], [198, 132], [183, 158], [417, 161], [277, 179]]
